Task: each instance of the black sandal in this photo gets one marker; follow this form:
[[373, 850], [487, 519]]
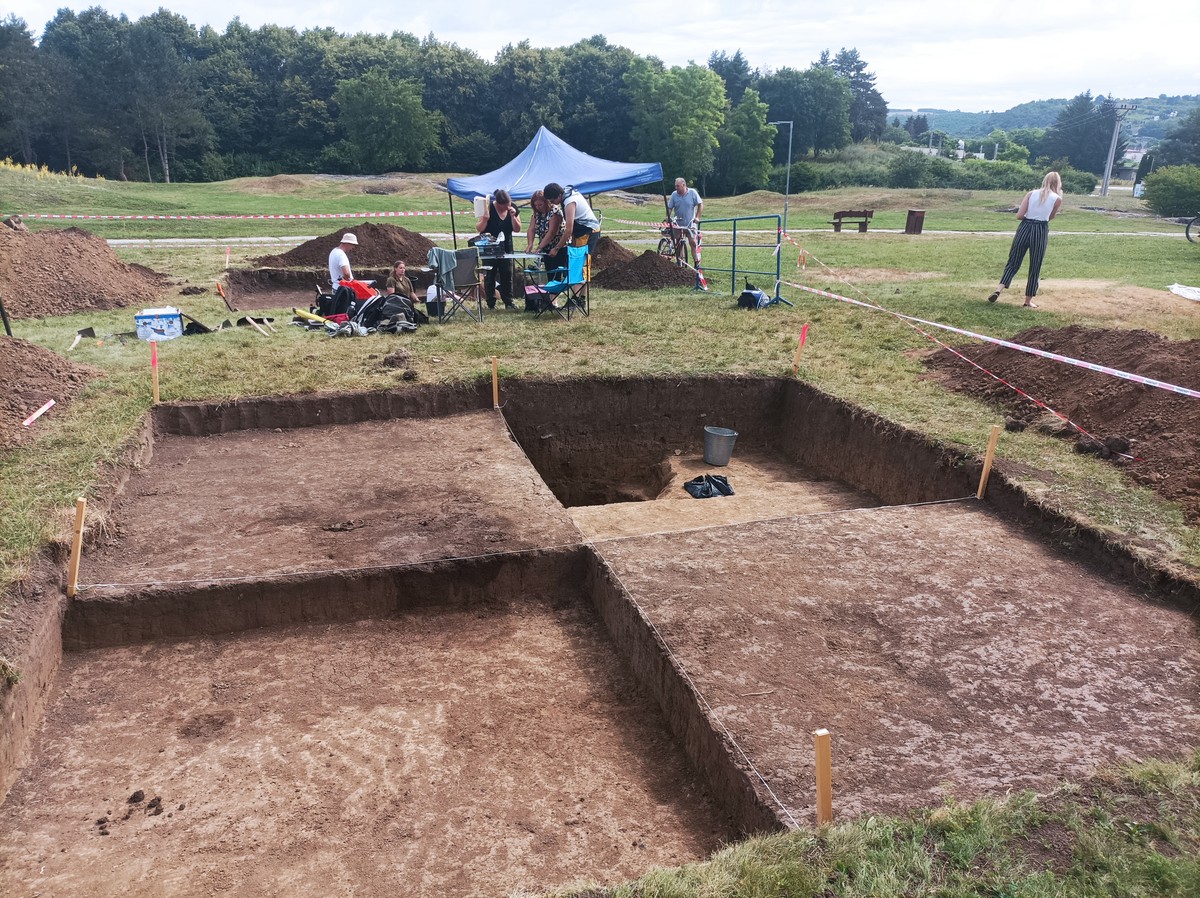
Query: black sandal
[[995, 296]]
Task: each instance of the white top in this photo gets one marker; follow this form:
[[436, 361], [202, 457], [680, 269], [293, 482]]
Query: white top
[[1037, 210], [337, 259]]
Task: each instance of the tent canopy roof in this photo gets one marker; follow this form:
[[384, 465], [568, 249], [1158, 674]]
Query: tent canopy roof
[[550, 158]]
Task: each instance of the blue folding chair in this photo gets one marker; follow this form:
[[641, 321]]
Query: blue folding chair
[[568, 289]]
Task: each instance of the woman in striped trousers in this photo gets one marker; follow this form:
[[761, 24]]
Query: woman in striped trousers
[[1038, 207]]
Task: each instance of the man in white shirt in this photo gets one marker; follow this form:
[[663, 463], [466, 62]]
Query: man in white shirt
[[339, 260]]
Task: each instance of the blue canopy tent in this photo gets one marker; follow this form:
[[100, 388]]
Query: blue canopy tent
[[550, 158]]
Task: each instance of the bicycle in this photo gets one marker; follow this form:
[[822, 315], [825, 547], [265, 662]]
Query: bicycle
[[1193, 230], [674, 243]]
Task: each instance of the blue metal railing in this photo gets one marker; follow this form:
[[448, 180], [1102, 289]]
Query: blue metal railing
[[733, 270]]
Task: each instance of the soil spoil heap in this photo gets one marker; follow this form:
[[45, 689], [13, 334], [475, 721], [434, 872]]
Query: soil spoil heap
[[1160, 429], [379, 245], [32, 375], [649, 271], [608, 252], [57, 272]]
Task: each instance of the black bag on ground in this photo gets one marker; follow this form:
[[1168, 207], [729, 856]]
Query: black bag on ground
[[708, 486], [753, 298], [335, 303]]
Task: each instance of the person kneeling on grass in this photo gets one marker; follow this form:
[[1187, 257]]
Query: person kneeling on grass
[[1035, 212]]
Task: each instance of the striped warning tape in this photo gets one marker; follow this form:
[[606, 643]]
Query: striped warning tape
[[290, 217], [1054, 356]]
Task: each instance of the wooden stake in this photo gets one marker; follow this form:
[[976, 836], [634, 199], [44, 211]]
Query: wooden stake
[[76, 547], [495, 382], [987, 460], [154, 368], [824, 776]]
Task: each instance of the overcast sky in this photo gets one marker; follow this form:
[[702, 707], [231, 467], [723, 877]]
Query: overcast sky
[[973, 55]]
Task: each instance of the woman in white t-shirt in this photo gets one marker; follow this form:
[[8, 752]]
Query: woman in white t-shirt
[[1038, 207]]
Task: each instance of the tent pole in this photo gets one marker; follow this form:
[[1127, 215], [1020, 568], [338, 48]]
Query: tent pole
[[453, 229]]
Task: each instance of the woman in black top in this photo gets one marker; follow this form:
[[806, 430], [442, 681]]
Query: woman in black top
[[499, 223]]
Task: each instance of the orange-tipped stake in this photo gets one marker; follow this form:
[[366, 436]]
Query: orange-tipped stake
[[800, 348]]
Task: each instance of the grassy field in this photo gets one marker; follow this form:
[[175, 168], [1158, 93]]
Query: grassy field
[[1136, 833]]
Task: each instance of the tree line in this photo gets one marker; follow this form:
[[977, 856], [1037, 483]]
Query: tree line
[[158, 99]]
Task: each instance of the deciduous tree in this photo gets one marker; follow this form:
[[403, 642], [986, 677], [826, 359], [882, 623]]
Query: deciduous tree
[[676, 113]]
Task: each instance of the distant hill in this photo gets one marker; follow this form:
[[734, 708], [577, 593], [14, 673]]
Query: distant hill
[[1042, 113]]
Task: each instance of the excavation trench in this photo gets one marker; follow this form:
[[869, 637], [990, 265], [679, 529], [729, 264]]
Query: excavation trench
[[403, 638]]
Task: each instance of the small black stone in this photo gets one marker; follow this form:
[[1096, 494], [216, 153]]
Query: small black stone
[[137, 796]]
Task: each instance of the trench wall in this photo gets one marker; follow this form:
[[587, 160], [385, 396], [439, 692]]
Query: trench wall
[[279, 602], [654, 667]]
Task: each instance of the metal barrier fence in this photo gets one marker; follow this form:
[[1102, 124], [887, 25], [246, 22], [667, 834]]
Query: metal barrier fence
[[745, 246]]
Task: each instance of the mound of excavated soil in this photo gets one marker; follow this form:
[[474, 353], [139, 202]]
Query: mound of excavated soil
[[56, 272], [607, 252], [378, 245], [1162, 428], [649, 271], [31, 376]]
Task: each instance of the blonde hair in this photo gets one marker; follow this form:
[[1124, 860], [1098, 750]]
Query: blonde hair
[[1052, 183]]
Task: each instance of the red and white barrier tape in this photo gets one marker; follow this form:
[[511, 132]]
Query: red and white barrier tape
[[294, 216], [1054, 356]]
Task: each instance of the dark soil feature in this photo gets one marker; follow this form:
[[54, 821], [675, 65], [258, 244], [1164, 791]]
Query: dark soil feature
[[649, 271], [378, 245], [607, 252], [1161, 428], [31, 376], [57, 272]]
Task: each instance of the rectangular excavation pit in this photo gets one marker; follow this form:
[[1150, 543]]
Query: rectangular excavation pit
[[441, 752], [788, 431]]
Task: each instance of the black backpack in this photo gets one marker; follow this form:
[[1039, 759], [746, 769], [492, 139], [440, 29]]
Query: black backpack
[[335, 303]]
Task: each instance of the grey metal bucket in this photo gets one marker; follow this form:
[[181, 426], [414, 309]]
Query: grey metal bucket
[[718, 445]]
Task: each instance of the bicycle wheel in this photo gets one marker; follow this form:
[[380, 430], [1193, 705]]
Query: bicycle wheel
[[1193, 230], [666, 247], [681, 250]]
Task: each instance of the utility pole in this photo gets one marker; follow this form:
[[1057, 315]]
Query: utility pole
[[787, 189], [1122, 110]]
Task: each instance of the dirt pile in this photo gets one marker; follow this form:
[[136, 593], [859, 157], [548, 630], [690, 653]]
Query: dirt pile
[[56, 272], [1161, 428], [607, 252], [378, 245], [649, 271], [32, 375]]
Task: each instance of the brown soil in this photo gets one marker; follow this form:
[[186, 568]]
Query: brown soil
[[608, 252], [649, 271], [1162, 428], [378, 245], [57, 272], [31, 376]]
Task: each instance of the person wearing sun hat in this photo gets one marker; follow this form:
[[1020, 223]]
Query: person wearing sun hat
[[339, 260]]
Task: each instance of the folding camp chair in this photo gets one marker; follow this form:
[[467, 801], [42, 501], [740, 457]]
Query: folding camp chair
[[568, 289], [461, 286]]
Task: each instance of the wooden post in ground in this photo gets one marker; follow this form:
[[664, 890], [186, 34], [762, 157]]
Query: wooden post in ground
[[987, 460], [76, 547], [154, 368], [822, 739], [495, 382]]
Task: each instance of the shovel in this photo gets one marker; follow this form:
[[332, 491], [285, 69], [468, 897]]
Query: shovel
[[80, 334], [225, 298]]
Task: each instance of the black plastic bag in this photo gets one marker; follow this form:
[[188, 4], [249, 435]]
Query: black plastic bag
[[708, 486]]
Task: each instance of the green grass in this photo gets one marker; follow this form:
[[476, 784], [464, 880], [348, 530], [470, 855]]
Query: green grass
[[1136, 834], [1130, 832]]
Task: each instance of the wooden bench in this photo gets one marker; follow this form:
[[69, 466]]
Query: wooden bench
[[860, 217]]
